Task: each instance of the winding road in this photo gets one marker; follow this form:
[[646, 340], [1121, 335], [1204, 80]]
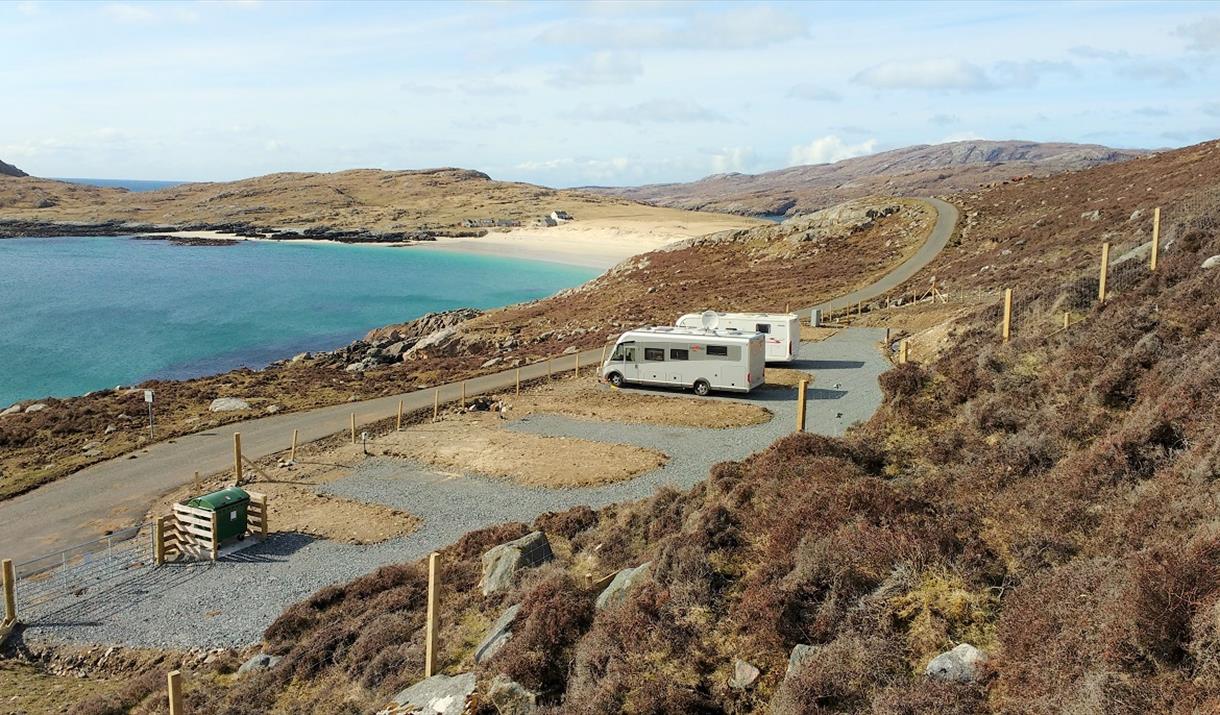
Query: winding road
[[84, 505]]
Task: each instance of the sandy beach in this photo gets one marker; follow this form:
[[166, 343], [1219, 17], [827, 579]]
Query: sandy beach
[[594, 243]]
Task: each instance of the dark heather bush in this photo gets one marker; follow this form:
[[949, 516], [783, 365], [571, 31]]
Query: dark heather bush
[[553, 617], [566, 523]]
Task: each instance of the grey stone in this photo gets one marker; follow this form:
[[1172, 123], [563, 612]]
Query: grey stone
[[229, 404], [260, 661], [36, 407], [438, 695], [110, 429], [501, 563], [396, 349], [1094, 215], [960, 665], [12, 410], [798, 655], [497, 635], [301, 356], [511, 697], [744, 675], [622, 582], [1212, 262]]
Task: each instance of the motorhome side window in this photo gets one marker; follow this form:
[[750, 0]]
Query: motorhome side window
[[654, 354], [762, 327], [676, 354], [624, 352], [717, 351]]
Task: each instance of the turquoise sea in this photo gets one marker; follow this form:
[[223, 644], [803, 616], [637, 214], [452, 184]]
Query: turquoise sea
[[80, 314]]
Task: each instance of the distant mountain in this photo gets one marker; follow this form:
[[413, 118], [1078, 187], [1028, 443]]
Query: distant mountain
[[10, 170], [916, 170]]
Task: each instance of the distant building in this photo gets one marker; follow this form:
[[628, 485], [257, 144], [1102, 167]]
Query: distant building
[[560, 216], [544, 221]]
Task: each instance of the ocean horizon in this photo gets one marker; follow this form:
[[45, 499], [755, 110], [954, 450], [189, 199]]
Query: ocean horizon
[[136, 185], [85, 313]]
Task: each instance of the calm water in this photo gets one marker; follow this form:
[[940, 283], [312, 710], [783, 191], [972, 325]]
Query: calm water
[[79, 314], [129, 184]]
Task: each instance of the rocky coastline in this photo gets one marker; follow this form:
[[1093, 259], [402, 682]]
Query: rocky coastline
[[43, 229]]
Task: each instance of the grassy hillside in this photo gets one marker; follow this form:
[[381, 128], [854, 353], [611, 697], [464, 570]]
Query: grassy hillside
[[1050, 500], [366, 200], [921, 170]]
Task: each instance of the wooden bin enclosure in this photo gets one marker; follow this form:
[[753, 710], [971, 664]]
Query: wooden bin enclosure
[[190, 533]]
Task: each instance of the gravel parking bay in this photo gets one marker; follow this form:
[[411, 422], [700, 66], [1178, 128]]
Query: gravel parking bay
[[231, 602]]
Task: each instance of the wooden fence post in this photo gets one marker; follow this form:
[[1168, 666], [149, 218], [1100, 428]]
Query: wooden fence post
[[195, 482], [353, 428], [1156, 237], [463, 394], [10, 592], [430, 625], [518, 392], [263, 528], [801, 387], [398, 427], [159, 541], [1007, 331], [1067, 319], [215, 532], [175, 693], [436, 403], [902, 352], [1105, 272], [292, 455], [548, 368], [576, 370], [237, 456], [604, 348]]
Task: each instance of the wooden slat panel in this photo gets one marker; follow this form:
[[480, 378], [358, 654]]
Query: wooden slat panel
[[184, 509], [194, 521]]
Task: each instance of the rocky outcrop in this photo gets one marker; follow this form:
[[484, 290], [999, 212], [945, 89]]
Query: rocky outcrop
[[744, 675], [963, 664], [622, 582], [499, 634], [229, 404], [501, 563], [1211, 262], [511, 697], [798, 655], [10, 170], [438, 695], [260, 661]]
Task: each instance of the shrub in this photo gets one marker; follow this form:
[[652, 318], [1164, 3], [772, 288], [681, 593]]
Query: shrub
[[554, 614]]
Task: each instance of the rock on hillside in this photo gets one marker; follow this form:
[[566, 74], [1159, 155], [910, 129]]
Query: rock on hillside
[[10, 170], [922, 169]]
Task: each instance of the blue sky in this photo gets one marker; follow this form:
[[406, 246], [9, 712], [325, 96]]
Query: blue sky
[[574, 93]]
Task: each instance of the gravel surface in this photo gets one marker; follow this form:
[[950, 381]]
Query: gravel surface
[[231, 603]]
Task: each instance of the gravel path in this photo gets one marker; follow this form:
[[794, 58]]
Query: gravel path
[[231, 602]]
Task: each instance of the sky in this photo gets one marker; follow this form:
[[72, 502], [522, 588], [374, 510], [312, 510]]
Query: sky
[[570, 94]]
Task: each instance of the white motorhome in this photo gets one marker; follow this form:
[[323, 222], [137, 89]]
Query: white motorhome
[[781, 330], [699, 359]]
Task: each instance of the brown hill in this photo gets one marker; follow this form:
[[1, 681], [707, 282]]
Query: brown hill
[[360, 200], [1050, 500], [923, 170], [10, 170]]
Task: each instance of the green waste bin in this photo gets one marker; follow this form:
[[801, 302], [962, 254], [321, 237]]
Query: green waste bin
[[230, 506]]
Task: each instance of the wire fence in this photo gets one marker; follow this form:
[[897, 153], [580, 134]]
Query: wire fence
[[48, 582]]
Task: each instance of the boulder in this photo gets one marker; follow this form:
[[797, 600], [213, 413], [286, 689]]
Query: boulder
[[260, 661], [798, 655], [1094, 215], [501, 563], [497, 635], [622, 582], [1211, 262], [744, 675], [963, 664], [36, 407], [511, 697], [438, 695], [229, 404], [300, 357], [12, 410]]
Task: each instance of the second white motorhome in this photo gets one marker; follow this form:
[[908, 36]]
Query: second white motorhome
[[781, 330], [701, 360]]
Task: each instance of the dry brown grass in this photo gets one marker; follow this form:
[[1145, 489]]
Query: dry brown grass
[[582, 400]]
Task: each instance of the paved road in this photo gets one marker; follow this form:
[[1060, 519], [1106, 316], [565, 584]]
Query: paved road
[[82, 506]]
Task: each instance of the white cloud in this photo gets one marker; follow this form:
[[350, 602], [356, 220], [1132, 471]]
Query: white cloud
[[1029, 72], [1163, 73], [605, 67], [814, 93], [732, 159], [940, 73], [961, 137], [944, 119], [666, 111], [739, 27], [1203, 35], [828, 149]]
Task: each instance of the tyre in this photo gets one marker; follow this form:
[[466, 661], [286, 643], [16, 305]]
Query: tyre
[[702, 388], [615, 379]]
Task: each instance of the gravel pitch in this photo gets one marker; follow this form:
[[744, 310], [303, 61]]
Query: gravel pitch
[[231, 603]]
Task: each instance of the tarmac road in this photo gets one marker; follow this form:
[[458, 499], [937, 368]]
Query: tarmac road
[[116, 493]]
